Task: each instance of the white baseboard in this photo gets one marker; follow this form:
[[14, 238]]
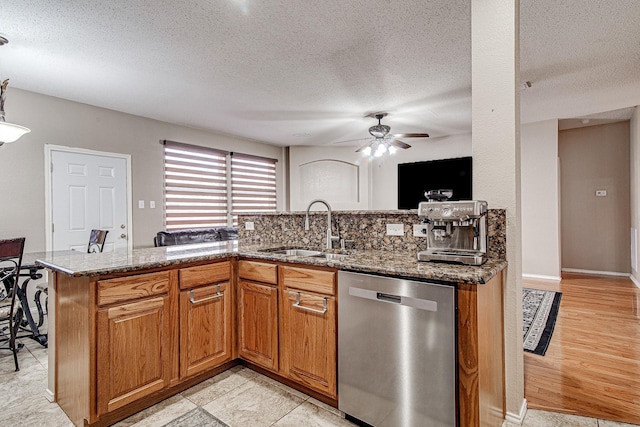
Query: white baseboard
[[599, 273], [542, 277], [517, 418], [48, 394], [634, 280]]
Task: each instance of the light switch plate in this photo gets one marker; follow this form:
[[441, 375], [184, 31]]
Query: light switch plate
[[248, 226], [395, 229], [420, 230], [601, 193], [152, 204], [140, 204]]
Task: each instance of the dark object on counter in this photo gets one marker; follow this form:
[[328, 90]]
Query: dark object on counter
[[438, 195], [195, 235]]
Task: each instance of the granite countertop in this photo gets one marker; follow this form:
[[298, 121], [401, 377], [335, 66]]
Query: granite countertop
[[365, 261]]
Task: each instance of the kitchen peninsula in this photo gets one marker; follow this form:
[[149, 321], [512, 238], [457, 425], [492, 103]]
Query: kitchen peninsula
[[134, 327]]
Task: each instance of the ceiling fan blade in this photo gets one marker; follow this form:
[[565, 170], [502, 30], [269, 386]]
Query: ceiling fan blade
[[399, 144], [410, 135], [351, 140], [359, 150]]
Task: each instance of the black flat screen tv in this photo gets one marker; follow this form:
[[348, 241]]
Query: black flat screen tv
[[414, 179]]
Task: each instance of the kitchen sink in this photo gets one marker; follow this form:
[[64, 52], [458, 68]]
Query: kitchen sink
[[331, 256], [297, 252], [304, 253]]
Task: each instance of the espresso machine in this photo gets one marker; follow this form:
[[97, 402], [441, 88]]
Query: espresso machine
[[456, 232]]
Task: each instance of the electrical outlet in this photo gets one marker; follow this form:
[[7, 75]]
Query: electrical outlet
[[601, 193], [420, 230], [248, 226], [152, 204], [395, 229]]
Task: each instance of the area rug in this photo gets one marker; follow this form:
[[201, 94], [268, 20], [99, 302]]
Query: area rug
[[195, 418], [540, 310]]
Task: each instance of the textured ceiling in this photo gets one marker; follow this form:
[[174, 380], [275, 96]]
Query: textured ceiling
[[306, 73]]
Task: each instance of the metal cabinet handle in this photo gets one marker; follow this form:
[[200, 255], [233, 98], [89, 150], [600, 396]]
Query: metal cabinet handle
[[323, 311], [194, 301]]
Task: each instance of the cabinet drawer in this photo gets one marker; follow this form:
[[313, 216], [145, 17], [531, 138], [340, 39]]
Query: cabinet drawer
[[309, 280], [258, 271], [205, 274], [132, 287]]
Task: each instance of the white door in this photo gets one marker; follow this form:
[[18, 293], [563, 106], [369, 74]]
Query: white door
[[88, 191]]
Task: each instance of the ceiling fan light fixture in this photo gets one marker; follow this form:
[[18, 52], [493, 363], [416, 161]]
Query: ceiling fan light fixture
[[384, 142], [379, 131]]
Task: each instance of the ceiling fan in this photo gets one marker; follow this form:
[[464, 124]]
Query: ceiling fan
[[384, 141]]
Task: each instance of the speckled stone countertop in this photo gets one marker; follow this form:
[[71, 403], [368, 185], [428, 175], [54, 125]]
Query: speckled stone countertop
[[399, 264], [81, 264]]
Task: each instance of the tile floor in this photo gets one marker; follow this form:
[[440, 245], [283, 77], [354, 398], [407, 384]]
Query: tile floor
[[238, 397]]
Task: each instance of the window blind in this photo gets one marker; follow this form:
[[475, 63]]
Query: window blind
[[195, 180], [253, 184]]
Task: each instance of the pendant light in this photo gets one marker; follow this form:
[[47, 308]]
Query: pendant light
[[9, 132]]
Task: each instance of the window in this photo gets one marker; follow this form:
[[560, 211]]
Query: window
[[253, 184], [205, 187]]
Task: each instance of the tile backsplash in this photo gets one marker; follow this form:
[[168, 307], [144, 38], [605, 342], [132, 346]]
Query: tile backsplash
[[361, 230]]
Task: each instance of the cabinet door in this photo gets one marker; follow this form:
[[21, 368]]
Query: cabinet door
[[132, 339], [205, 328], [258, 323], [309, 341]]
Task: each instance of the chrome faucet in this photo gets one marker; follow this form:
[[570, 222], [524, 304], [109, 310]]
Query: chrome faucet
[[330, 237]]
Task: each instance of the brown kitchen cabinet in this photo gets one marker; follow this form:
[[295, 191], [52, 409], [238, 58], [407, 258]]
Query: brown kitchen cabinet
[[132, 339], [258, 314], [206, 317], [129, 339], [308, 338], [258, 324]]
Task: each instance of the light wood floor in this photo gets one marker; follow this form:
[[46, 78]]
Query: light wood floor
[[592, 365]]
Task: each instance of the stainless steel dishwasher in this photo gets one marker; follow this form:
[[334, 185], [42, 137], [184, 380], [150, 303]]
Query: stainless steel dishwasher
[[396, 351]]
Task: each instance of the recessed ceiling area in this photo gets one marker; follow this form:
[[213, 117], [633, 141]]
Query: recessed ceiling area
[[603, 118], [308, 73]]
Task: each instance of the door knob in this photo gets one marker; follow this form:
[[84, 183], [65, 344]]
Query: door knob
[[123, 236], [122, 226]]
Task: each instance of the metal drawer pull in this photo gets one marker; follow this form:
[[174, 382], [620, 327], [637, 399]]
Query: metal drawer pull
[[324, 303], [194, 301]]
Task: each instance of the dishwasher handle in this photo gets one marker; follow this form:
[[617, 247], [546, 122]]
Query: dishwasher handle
[[419, 303], [389, 297]]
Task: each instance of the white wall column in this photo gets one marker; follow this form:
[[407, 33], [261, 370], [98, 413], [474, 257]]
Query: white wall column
[[495, 140], [540, 196], [635, 195]]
